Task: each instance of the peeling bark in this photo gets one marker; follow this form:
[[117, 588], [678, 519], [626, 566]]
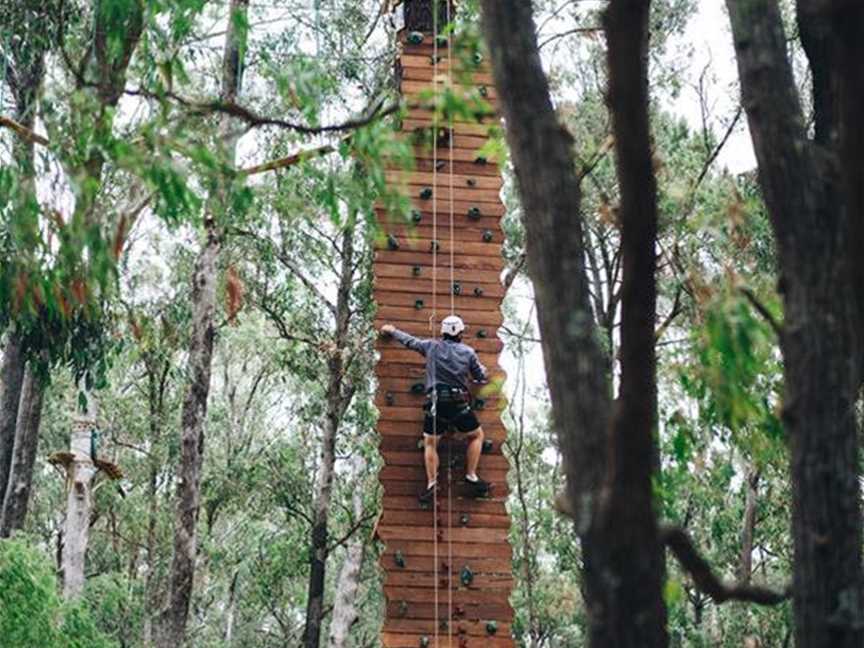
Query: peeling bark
[[345, 613], [10, 396]]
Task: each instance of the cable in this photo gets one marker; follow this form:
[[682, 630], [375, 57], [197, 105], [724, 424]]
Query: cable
[[434, 411]]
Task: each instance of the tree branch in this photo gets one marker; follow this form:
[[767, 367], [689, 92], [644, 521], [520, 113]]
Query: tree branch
[[762, 310], [22, 131], [706, 581]]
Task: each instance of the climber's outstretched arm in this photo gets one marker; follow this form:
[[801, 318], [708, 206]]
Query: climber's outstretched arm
[[420, 345]]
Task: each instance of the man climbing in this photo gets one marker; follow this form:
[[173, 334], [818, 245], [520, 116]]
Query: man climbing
[[449, 364]]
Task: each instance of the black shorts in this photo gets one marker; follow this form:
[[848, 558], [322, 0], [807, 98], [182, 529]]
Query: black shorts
[[451, 414]]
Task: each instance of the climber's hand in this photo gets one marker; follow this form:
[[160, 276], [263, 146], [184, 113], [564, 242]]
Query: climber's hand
[[388, 329]]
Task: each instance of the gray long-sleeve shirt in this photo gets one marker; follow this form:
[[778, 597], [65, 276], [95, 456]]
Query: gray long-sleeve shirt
[[447, 362]]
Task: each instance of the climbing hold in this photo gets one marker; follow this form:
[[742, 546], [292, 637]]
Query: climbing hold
[[487, 236], [389, 398], [443, 624], [416, 270], [481, 334], [440, 164], [474, 213], [479, 403], [434, 246], [487, 446], [403, 608], [471, 182], [441, 39], [420, 443], [460, 611], [457, 288], [418, 304], [424, 641], [481, 160], [418, 388], [392, 242], [484, 91], [426, 193], [416, 216], [435, 59], [491, 627], [478, 291], [464, 519], [466, 576], [399, 559], [478, 58], [415, 38], [444, 136]]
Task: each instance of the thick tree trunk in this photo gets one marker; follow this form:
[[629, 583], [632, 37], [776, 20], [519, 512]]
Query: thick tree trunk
[[542, 156], [80, 472], [172, 624], [338, 397], [748, 528], [14, 510], [813, 193], [345, 600], [629, 559], [12, 375]]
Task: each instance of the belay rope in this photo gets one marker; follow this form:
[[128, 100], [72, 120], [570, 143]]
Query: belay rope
[[435, 139]]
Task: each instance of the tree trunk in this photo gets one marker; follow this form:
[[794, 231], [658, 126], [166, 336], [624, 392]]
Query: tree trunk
[[345, 601], [748, 529], [629, 558], [17, 499], [80, 472], [172, 624], [338, 397], [543, 160], [812, 189], [10, 397]]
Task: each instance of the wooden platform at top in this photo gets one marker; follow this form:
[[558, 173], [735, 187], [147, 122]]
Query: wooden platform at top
[[413, 276]]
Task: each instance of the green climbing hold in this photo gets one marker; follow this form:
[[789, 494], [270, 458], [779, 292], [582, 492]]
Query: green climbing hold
[[491, 627], [418, 388], [403, 608], [481, 333], [457, 288], [392, 242], [487, 446], [481, 160], [479, 404], [415, 38], [484, 91], [399, 559], [441, 39], [416, 270], [478, 291], [466, 576], [478, 58], [426, 193], [389, 398], [418, 304], [416, 216], [474, 213], [424, 642], [487, 236], [464, 519]]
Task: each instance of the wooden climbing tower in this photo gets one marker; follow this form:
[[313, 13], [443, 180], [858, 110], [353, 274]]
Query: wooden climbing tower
[[456, 552]]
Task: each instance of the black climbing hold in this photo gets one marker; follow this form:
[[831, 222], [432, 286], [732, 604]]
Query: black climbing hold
[[392, 243], [416, 216], [466, 576], [481, 334], [415, 38], [474, 213], [416, 270], [435, 59], [399, 559], [403, 608], [491, 627], [478, 291], [440, 164], [479, 403], [389, 398], [457, 288], [484, 91], [487, 236], [441, 39], [487, 446], [464, 519], [480, 159], [444, 137], [478, 58], [418, 304], [443, 624], [471, 182], [426, 193], [418, 388], [434, 246]]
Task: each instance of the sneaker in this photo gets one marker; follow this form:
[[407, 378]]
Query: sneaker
[[427, 496], [478, 488]]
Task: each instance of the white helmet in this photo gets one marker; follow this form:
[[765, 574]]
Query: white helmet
[[452, 325]]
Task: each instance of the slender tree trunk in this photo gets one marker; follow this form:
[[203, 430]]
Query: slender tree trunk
[[10, 397], [80, 472], [17, 498], [542, 154], [748, 529], [337, 403], [172, 625], [345, 600], [813, 191]]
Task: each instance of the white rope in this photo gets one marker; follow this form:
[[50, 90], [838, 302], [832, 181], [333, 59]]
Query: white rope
[[434, 410]]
